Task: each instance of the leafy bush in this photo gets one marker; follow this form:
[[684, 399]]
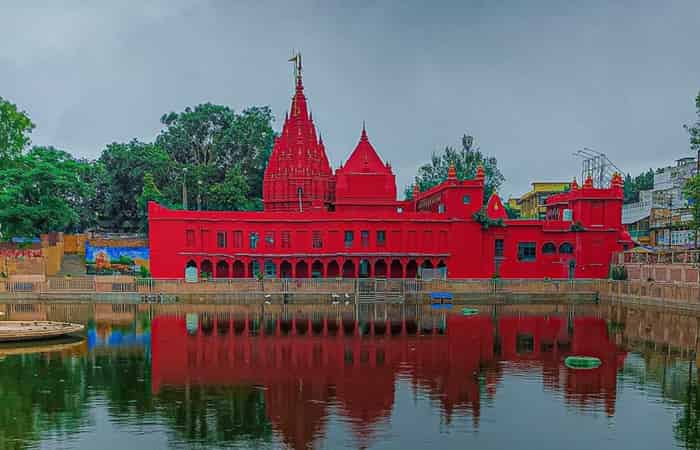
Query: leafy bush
[[577, 227], [618, 273], [482, 217]]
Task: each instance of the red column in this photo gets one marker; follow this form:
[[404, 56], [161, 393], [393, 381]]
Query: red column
[[294, 326], [387, 332], [325, 326]]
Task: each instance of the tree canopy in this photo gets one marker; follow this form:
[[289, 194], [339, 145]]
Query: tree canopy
[[209, 140], [42, 191], [694, 129], [633, 186], [15, 127], [466, 160]]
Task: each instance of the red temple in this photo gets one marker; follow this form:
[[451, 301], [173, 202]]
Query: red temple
[[349, 223]]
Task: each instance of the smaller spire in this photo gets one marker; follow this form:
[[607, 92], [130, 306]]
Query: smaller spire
[[588, 183], [574, 184], [479, 172], [320, 138], [364, 132], [452, 172]]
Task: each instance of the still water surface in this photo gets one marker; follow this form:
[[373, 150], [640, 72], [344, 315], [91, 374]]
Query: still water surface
[[149, 377]]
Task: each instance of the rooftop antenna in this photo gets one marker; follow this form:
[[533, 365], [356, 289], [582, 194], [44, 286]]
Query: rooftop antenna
[[597, 166]]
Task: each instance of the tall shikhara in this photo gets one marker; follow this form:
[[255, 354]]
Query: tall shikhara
[[298, 175]]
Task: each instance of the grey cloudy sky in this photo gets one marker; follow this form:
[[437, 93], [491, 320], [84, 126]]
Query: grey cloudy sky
[[533, 80]]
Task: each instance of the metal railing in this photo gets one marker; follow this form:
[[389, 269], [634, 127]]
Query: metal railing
[[660, 257], [391, 287]]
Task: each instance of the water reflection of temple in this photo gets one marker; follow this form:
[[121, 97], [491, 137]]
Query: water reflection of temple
[[306, 368]]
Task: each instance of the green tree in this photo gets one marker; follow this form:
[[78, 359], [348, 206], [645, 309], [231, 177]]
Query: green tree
[[15, 127], [232, 193], [40, 191], [209, 140], [125, 166], [694, 129], [642, 182], [691, 190], [149, 192], [466, 161]]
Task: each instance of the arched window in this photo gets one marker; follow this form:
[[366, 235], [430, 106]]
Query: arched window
[[566, 248], [549, 248]]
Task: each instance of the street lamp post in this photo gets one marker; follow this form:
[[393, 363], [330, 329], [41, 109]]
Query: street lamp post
[[184, 188]]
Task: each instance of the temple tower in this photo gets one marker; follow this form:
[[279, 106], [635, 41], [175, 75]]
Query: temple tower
[[298, 175]]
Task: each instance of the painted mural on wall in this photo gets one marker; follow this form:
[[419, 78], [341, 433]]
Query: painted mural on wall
[[117, 260]]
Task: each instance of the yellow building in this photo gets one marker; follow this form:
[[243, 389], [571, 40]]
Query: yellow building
[[514, 204], [532, 204]]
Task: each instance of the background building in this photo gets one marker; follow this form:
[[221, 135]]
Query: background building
[[662, 216], [533, 204]]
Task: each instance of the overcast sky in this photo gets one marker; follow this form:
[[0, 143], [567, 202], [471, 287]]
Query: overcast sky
[[534, 81]]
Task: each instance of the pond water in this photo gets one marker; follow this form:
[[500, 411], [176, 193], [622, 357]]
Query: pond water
[[149, 377]]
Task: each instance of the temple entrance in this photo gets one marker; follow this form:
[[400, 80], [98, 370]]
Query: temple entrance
[[396, 269], [411, 269], [333, 270], [349, 269], [222, 269], [317, 269], [365, 271], [380, 269], [286, 269], [302, 270], [238, 269], [207, 269]]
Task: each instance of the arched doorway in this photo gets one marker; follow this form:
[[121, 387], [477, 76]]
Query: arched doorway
[[333, 270], [396, 269], [442, 267], [191, 270], [380, 269], [317, 269], [207, 269], [301, 270], [411, 269], [238, 269], [365, 269], [270, 269], [254, 268], [349, 269], [427, 264], [222, 269], [286, 269]]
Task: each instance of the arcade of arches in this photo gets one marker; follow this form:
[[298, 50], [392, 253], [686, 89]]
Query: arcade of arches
[[315, 268]]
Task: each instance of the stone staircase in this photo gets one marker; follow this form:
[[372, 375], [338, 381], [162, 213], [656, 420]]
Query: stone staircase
[[73, 265]]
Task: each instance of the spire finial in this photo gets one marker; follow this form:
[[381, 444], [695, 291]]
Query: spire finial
[[296, 59], [364, 132]]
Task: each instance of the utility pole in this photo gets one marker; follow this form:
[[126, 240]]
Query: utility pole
[[199, 195], [184, 188], [670, 217]]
